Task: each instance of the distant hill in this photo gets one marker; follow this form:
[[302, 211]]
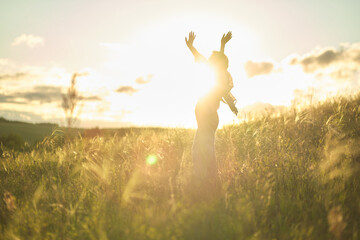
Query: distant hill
[[30, 132]]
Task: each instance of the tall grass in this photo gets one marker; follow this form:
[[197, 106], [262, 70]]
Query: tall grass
[[295, 176]]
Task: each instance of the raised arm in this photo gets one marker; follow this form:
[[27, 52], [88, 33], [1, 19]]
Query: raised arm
[[224, 40], [189, 42]]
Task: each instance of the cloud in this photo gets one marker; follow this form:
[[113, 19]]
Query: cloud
[[326, 71], [90, 98], [15, 76], [126, 89], [329, 57], [344, 74], [29, 40], [258, 68], [142, 80], [9, 99], [42, 94], [318, 60]]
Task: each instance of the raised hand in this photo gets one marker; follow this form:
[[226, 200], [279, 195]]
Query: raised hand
[[226, 38], [189, 41]]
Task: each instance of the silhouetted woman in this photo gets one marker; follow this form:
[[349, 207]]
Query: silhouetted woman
[[203, 151]]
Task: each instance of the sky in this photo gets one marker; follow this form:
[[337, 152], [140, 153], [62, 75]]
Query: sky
[[135, 69]]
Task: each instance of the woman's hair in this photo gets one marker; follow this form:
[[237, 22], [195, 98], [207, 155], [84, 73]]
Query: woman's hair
[[219, 59]]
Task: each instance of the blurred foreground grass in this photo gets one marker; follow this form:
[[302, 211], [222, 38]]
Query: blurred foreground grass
[[294, 176]]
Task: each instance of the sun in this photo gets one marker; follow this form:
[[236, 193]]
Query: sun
[[204, 79]]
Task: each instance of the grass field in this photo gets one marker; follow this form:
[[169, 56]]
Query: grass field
[[294, 176]]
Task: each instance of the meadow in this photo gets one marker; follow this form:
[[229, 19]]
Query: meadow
[[291, 176]]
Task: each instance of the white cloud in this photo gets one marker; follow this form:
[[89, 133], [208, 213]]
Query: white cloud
[[29, 40], [315, 76]]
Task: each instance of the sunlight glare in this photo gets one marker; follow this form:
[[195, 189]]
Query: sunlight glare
[[204, 80], [151, 159]]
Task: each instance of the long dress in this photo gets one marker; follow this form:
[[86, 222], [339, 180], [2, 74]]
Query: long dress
[[205, 173]]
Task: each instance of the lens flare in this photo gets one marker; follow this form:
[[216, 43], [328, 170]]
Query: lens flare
[[151, 159]]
